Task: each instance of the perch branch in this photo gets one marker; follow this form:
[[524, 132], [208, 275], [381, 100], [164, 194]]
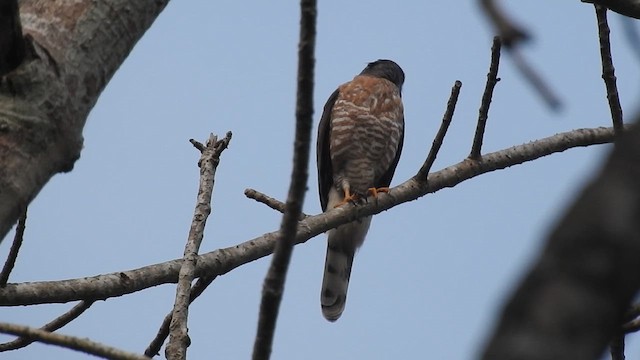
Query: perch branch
[[51, 326], [274, 281], [608, 71], [15, 248], [483, 113], [70, 342], [444, 126], [179, 340], [223, 260]]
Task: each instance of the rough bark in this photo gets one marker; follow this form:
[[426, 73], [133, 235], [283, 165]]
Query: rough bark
[[75, 48]]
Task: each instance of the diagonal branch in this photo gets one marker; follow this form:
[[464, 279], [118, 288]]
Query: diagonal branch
[[221, 261], [275, 204], [444, 126], [15, 248], [485, 103], [273, 286], [51, 326], [574, 298], [196, 290], [70, 342], [608, 71], [209, 160]]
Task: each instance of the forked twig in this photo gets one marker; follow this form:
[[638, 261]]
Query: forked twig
[[209, 160]]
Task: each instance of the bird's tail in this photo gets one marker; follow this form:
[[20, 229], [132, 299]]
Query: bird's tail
[[341, 247]]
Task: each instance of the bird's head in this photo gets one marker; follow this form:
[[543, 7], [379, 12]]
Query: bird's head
[[385, 69]]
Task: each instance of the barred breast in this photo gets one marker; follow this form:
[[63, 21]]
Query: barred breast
[[367, 121]]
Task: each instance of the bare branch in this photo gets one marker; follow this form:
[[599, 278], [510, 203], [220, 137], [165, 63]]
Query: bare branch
[[154, 347], [608, 71], [629, 8], [15, 248], [221, 261], [510, 33], [573, 300], [70, 68], [273, 286], [444, 126], [51, 326], [492, 80], [70, 342], [209, 160], [12, 43], [275, 204], [535, 80]]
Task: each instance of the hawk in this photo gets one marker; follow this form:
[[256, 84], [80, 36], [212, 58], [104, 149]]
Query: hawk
[[360, 139]]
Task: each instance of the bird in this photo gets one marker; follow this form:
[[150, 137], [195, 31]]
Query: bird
[[360, 138]]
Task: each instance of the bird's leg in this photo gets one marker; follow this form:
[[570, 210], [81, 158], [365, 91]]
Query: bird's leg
[[348, 198]]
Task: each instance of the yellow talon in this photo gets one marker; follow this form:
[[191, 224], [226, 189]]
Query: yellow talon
[[348, 197], [374, 191]]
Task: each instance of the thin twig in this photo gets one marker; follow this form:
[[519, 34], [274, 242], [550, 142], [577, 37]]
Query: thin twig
[[273, 203], [511, 33], [179, 339], [616, 347], [444, 126], [273, 286], [69, 342], [196, 290], [51, 326], [483, 113], [224, 260], [15, 248], [608, 71], [533, 78]]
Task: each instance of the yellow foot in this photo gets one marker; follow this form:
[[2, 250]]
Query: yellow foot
[[348, 198], [374, 191]]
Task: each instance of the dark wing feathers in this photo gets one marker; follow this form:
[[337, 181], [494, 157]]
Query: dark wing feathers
[[325, 171], [385, 179]]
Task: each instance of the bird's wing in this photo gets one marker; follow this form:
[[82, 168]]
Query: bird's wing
[[325, 171]]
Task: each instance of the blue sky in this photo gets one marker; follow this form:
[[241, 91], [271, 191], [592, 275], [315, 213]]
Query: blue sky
[[431, 275]]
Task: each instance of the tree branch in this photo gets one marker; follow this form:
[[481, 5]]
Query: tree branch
[[485, 103], [275, 204], [70, 342], [179, 340], [575, 297], [273, 286], [51, 326], [608, 71], [44, 106], [629, 8], [442, 132], [221, 261], [15, 248], [154, 347]]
